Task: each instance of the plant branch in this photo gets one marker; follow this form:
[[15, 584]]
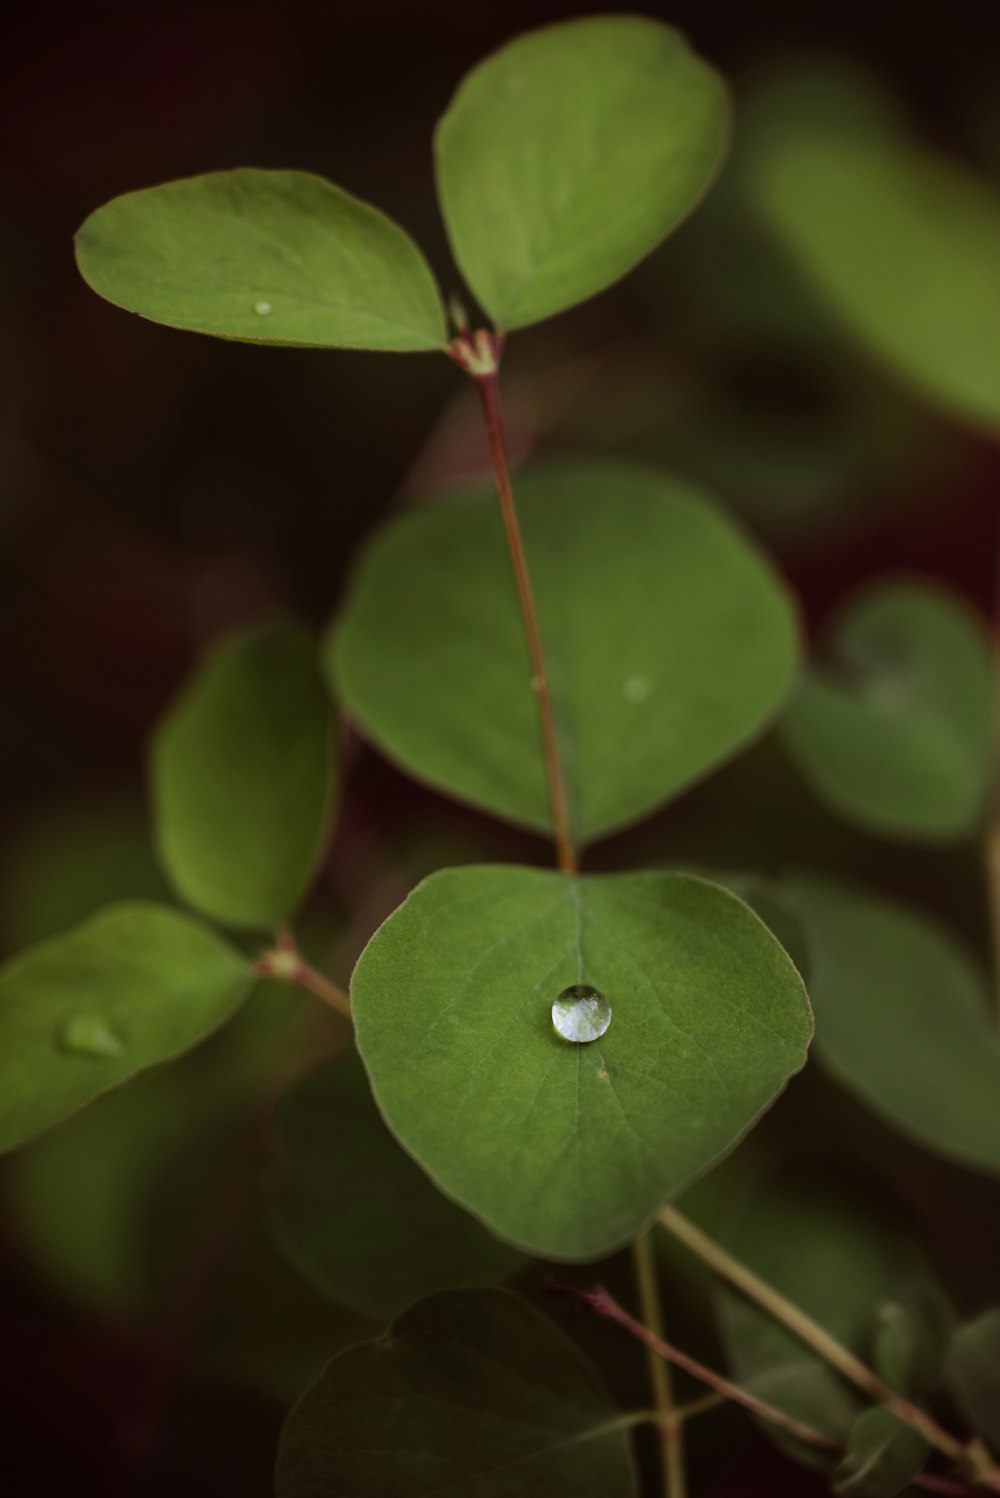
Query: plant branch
[[478, 355], [602, 1304], [651, 1312], [286, 963], [827, 1346]]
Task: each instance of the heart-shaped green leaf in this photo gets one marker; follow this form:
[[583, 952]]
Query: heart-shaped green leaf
[[346, 1197], [241, 778], [897, 734], [974, 1372], [82, 1012], [567, 1149], [472, 1394], [902, 1019], [883, 1456], [569, 154], [663, 658], [904, 246], [837, 1247], [264, 257]]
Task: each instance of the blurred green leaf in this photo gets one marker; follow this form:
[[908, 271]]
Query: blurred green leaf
[[83, 1012], [568, 155], [911, 1340], [264, 257], [242, 778], [883, 1456], [904, 246], [487, 1397], [902, 1019], [974, 1372], [356, 1215], [567, 1149], [897, 734], [664, 658], [837, 1247]]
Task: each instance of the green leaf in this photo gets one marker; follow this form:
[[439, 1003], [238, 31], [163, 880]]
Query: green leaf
[[883, 1456], [346, 1197], [472, 1394], [904, 246], [568, 155], [974, 1372], [897, 734], [837, 1247], [264, 257], [241, 772], [565, 1149], [902, 1019], [82, 1012], [664, 658], [912, 1338]]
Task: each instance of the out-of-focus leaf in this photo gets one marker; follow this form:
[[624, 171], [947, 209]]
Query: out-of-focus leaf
[[487, 1397], [883, 1457], [912, 1338], [902, 1019], [897, 734], [974, 1372], [241, 778]]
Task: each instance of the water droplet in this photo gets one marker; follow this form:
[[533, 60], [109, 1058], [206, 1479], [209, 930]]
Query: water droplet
[[537, 683], [635, 689], [89, 1035], [263, 309], [581, 1013]]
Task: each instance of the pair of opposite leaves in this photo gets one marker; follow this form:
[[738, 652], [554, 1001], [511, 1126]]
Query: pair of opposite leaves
[[562, 160]]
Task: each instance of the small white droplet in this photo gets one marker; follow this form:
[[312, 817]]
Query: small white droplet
[[537, 683], [636, 689], [263, 309], [581, 1013]]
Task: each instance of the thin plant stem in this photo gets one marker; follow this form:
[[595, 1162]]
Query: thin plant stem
[[602, 1304], [478, 355], [661, 1381], [286, 963], [827, 1346]]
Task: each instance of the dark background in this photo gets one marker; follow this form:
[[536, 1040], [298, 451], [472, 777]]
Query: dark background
[[158, 488]]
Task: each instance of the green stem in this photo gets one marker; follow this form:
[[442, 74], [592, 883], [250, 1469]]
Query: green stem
[[286, 963], [820, 1340], [651, 1312]]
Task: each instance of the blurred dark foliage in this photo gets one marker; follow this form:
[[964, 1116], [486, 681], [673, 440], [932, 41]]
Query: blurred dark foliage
[[156, 489]]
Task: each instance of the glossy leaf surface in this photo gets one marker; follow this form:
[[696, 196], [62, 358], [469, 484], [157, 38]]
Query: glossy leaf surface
[[664, 658], [567, 1149], [896, 732], [263, 257], [241, 778], [568, 155], [488, 1399], [82, 1012]]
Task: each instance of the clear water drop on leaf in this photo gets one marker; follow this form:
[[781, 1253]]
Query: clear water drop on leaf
[[263, 309], [89, 1035], [635, 689], [581, 1013]]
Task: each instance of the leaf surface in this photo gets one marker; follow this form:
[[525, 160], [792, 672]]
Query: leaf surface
[[488, 1399], [896, 734], [80, 1013], [902, 1019], [241, 772], [356, 1215], [664, 657], [567, 1149], [566, 156], [263, 257]]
